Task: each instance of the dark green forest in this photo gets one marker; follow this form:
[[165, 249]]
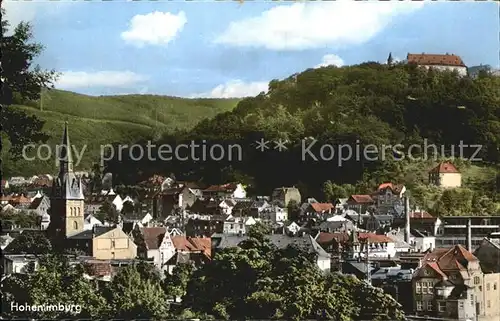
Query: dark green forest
[[359, 105]]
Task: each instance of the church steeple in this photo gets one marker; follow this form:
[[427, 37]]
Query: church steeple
[[67, 199], [65, 155]]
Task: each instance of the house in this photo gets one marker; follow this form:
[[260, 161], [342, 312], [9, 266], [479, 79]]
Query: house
[[105, 243], [397, 282], [238, 225], [285, 195], [5, 241], [440, 62], [488, 254], [243, 207], [282, 241], [90, 221], [195, 250], [445, 175], [336, 223], [174, 198], [5, 184], [205, 227], [40, 205], [17, 181], [230, 190], [18, 263], [360, 203], [450, 284], [93, 208], [154, 243], [137, 217], [227, 206], [387, 196], [275, 214], [376, 222], [319, 210], [205, 206]]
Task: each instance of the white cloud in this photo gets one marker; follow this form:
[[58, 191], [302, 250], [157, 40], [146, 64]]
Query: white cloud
[[155, 28], [83, 79], [235, 89], [330, 59], [312, 25]]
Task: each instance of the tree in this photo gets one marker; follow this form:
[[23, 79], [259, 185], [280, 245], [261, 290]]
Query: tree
[[259, 281], [22, 82], [175, 284], [108, 213], [54, 282], [30, 242], [128, 208], [130, 294]]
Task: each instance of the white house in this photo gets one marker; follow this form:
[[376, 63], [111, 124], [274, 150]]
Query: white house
[[154, 243], [238, 225], [293, 228], [40, 205], [439, 62], [226, 191], [278, 214], [90, 221], [227, 206], [45, 221], [18, 263], [445, 175]]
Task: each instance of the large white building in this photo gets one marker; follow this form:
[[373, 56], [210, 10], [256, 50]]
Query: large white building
[[438, 62]]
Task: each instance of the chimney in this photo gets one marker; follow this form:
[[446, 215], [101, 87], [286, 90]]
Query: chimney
[[469, 235], [407, 220]]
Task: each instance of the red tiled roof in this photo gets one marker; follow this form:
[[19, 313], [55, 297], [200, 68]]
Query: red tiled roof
[[153, 236], [445, 167], [324, 237], [421, 215], [193, 244], [20, 200], [374, 238], [449, 259], [435, 267], [360, 199], [322, 207], [433, 59], [394, 187]]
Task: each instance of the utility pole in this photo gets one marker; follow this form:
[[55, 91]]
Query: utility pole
[[367, 253]]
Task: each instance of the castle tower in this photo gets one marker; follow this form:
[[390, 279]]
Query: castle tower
[[67, 200]]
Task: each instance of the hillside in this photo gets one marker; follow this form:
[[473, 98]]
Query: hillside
[[358, 106], [96, 121]]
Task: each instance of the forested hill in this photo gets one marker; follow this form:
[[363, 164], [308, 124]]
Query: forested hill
[[368, 103]]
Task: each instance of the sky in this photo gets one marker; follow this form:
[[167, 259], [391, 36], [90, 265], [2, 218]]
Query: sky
[[225, 49]]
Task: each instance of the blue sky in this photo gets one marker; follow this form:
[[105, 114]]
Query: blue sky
[[227, 49]]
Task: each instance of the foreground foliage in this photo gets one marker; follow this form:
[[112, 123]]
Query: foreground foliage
[[255, 280]]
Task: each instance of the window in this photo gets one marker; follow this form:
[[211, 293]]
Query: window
[[461, 304], [112, 244], [71, 211], [477, 280], [480, 288], [418, 288], [494, 286], [441, 306], [424, 287], [488, 304], [487, 286], [419, 305], [429, 305], [78, 211], [75, 225]]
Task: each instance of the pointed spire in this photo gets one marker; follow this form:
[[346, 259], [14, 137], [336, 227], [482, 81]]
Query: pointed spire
[[390, 60], [65, 157]]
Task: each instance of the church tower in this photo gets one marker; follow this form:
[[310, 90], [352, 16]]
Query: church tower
[[67, 200]]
